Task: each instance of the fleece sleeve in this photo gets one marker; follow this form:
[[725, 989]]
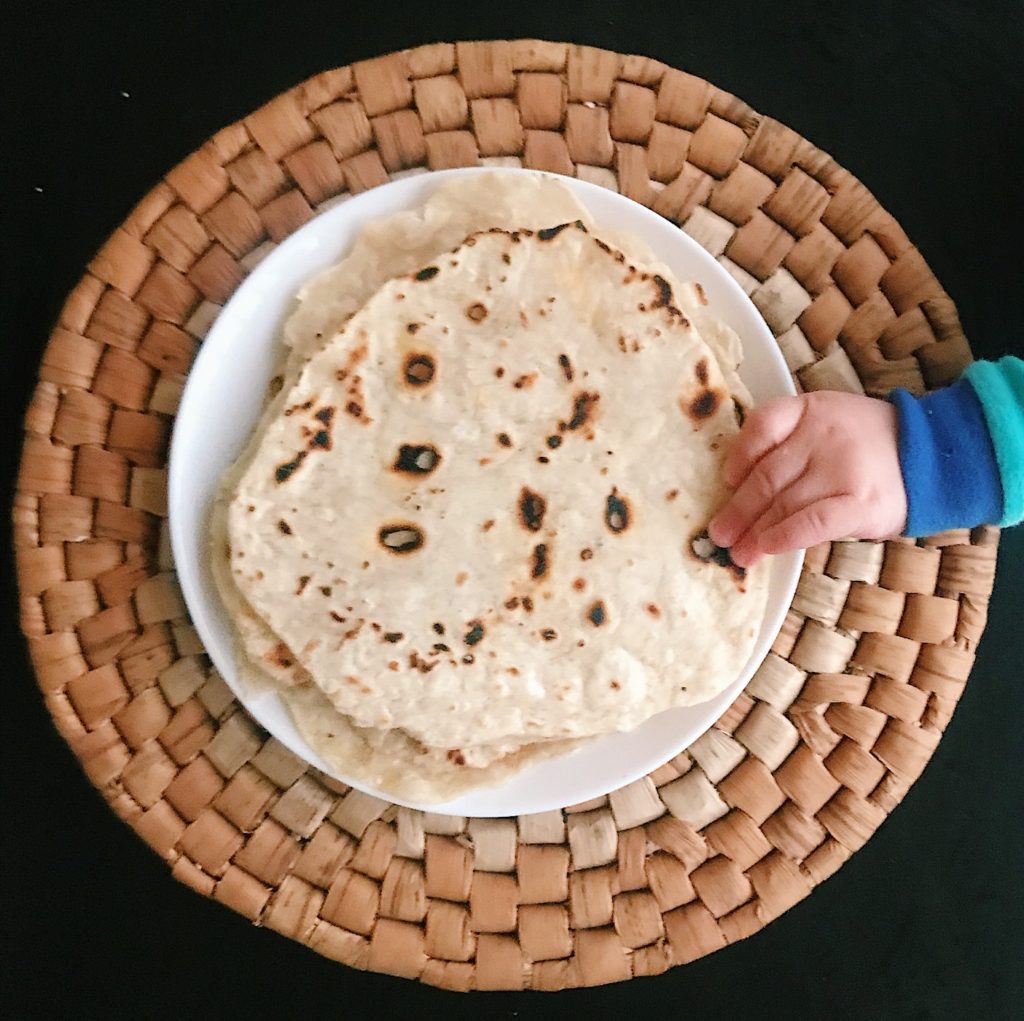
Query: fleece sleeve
[[948, 461], [1000, 388]]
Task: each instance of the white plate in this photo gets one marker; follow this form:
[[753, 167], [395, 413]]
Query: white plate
[[222, 402]]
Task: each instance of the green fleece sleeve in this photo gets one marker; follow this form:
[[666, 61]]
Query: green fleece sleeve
[[1000, 388]]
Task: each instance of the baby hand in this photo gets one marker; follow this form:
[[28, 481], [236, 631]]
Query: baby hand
[[808, 469]]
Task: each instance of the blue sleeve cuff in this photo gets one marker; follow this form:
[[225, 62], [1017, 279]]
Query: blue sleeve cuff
[[948, 461]]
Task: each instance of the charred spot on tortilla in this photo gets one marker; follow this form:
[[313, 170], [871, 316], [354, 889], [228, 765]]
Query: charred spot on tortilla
[[393, 636], [280, 656], [540, 561], [419, 369], [416, 459], [427, 273], [664, 292], [327, 591], [487, 525], [549, 634], [554, 441], [413, 328], [400, 537], [740, 411], [548, 233], [477, 312], [616, 512], [285, 471], [415, 663], [703, 406], [525, 381], [701, 372], [301, 585], [531, 509], [566, 367], [586, 554], [653, 610], [283, 527], [579, 584], [325, 415], [475, 632], [596, 613], [582, 406], [704, 549], [504, 440], [437, 627], [543, 459], [456, 757], [499, 372]]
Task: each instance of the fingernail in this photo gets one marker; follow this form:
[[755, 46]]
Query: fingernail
[[745, 556], [719, 536], [740, 554]]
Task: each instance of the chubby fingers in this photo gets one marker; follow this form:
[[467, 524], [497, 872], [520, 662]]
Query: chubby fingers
[[819, 521], [766, 428], [808, 488], [769, 477]]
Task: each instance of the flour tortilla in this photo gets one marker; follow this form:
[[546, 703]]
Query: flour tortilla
[[390, 759], [445, 650]]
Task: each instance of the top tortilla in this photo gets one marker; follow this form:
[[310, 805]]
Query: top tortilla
[[549, 588], [390, 759]]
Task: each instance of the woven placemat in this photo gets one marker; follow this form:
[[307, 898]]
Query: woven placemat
[[824, 743]]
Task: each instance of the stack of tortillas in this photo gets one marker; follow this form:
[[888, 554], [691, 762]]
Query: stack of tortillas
[[463, 535]]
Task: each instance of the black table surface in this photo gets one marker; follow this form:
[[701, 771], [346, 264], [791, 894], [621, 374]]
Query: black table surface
[[922, 101]]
